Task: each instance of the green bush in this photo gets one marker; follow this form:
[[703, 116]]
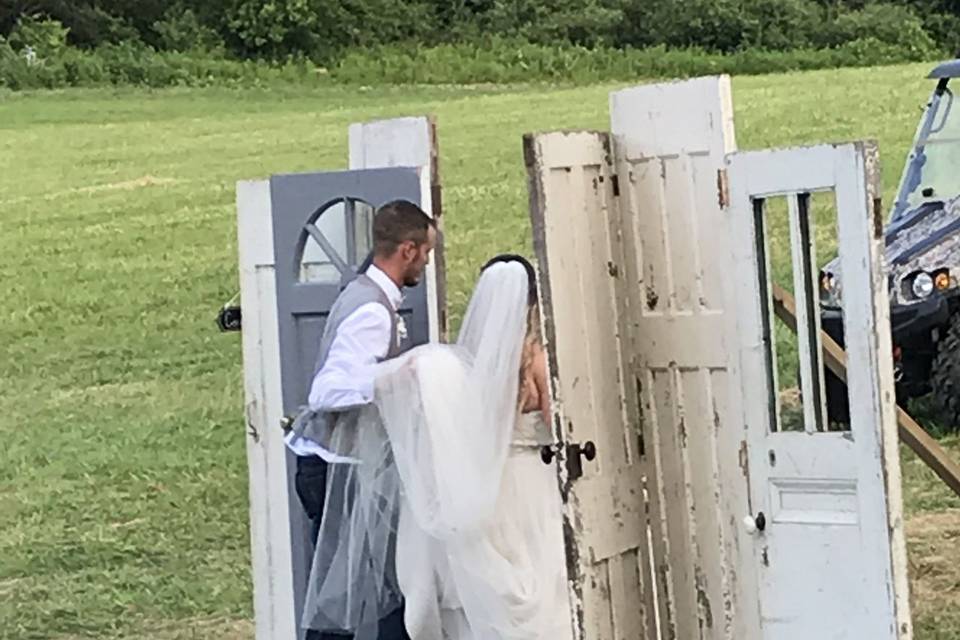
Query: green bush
[[886, 23], [781, 25], [11, 71], [502, 61], [856, 38], [944, 28], [274, 28], [133, 63], [731, 26], [46, 37], [182, 30], [81, 69], [498, 61], [577, 22], [712, 25]]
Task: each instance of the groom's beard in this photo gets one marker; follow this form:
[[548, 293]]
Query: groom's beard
[[412, 277]]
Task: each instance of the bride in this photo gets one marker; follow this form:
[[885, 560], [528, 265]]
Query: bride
[[449, 508]]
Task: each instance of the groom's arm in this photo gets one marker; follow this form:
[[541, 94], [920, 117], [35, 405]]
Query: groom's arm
[[346, 378]]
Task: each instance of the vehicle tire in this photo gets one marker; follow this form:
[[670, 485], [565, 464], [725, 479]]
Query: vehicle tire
[[838, 404], [945, 376]]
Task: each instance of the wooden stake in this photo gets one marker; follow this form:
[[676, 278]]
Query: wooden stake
[[911, 433]]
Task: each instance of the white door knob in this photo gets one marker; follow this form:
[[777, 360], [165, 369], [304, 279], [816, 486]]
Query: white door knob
[[756, 523]]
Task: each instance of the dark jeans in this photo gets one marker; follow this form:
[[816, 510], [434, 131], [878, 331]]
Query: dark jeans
[[311, 481], [311, 486], [391, 628]]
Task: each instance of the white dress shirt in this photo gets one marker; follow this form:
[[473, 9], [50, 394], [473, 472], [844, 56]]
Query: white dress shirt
[[346, 378]]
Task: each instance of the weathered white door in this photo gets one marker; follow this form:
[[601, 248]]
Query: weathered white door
[[630, 241], [575, 216], [670, 141], [824, 523]]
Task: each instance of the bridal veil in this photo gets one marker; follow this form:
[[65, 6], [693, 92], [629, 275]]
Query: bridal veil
[[409, 518]]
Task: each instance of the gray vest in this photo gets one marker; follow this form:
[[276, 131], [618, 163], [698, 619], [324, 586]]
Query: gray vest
[[317, 425]]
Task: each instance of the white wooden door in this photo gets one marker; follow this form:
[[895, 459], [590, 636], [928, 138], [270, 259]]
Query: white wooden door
[[576, 226], [824, 523], [670, 143]]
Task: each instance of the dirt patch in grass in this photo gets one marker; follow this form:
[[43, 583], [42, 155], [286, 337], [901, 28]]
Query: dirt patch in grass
[[933, 540]]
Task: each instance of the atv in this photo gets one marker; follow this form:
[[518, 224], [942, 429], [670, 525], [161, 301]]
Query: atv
[[923, 266]]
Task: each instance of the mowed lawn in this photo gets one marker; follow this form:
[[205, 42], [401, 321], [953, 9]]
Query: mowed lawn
[[123, 488]]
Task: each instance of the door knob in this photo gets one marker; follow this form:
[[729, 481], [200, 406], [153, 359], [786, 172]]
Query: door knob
[[286, 422], [547, 454], [753, 524], [575, 452], [589, 450]]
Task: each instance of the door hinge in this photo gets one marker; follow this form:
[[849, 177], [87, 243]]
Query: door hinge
[[250, 410], [723, 188], [877, 218], [229, 316]]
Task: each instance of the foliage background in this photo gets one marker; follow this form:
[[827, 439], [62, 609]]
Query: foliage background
[[54, 43]]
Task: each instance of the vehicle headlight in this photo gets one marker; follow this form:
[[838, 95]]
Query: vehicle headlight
[[922, 285]]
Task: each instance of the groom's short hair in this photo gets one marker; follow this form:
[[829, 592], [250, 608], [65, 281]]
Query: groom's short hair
[[397, 222]]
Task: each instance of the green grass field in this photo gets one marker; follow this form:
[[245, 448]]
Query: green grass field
[[122, 466]]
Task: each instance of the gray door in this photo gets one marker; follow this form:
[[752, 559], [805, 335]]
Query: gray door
[[322, 226]]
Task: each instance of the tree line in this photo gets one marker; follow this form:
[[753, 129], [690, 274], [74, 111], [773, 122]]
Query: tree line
[[324, 31]]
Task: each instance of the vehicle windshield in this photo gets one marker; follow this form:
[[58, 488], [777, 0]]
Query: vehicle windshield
[[931, 173]]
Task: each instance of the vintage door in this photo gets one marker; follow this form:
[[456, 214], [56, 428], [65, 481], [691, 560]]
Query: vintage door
[[629, 239], [575, 216], [824, 524], [670, 141], [302, 237]]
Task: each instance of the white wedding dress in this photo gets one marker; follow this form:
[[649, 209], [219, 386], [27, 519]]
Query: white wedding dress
[[451, 508], [515, 584]]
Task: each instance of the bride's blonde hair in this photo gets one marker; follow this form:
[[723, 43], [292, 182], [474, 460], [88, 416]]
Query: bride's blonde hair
[[531, 342]]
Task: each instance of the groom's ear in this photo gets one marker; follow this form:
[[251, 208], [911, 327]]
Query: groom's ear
[[409, 250]]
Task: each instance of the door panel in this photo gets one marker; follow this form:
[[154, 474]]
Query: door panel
[[669, 144], [829, 550], [301, 202], [576, 236]]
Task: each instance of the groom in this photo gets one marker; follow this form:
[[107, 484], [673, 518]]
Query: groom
[[363, 328]]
